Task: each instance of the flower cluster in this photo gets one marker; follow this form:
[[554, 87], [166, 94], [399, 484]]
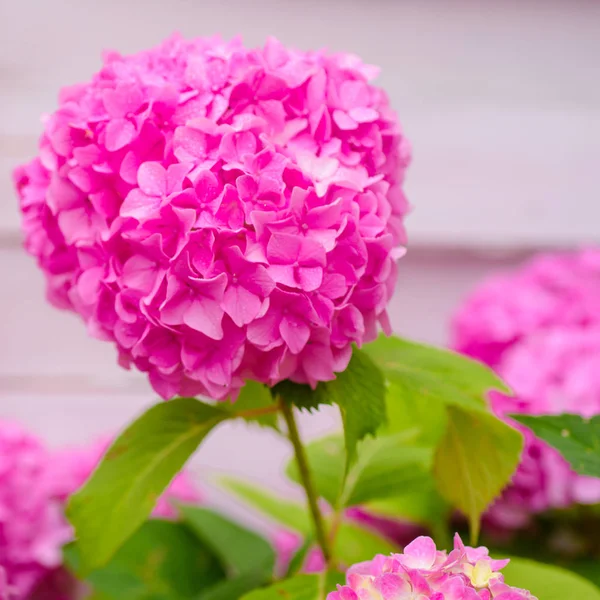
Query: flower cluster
[[423, 572], [35, 484], [220, 213], [539, 328], [32, 528]]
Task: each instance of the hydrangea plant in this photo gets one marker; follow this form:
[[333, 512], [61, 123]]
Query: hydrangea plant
[[230, 219]]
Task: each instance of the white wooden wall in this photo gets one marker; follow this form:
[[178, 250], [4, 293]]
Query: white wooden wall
[[500, 99]]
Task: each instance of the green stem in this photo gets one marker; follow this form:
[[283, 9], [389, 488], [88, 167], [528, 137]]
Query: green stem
[[307, 481]]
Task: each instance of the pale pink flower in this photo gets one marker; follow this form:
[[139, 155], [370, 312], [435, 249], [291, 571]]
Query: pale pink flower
[[540, 329], [422, 572], [221, 213]]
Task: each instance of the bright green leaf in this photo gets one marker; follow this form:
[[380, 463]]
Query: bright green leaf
[[354, 544], [254, 397], [386, 466], [161, 561], [418, 370], [474, 461], [281, 510], [240, 550], [300, 587], [136, 469], [359, 391], [233, 588], [576, 438], [548, 582]]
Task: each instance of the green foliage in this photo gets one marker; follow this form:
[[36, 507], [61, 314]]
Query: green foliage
[[423, 371], [123, 490], [474, 460], [300, 587], [386, 467], [240, 550], [359, 391], [354, 543], [161, 561], [576, 438], [291, 514], [548, 582], [254, 397]]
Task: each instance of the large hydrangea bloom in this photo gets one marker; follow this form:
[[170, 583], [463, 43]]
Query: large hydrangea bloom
[[32, 528], [540, 329], [422, 572], [221, 213]]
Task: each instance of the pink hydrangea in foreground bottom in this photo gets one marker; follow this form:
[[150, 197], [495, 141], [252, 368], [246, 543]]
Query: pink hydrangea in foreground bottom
[[423, 573], [221, 213]]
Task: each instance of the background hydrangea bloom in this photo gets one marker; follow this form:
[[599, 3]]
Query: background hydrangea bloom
[[424, 572], [540, 329], [221, 213], [32, 528]]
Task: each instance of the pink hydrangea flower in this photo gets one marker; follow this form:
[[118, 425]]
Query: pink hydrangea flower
[[32, 528], [220, 213], [422, 572], [540, 329], [70, 468], [3, 585]]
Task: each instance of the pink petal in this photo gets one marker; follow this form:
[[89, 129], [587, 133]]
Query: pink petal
[[152, 178], [309, 278], [139, 205], [363, 114], [295, 333], [344, 121], [284, 248], [264, 332], [205, 315], [241, 305], [420, 554], [119, 133]]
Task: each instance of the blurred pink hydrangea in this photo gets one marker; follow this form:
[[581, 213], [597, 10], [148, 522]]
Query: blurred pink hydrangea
[[32, 528], [3, 585], [539, 328], [220, 213], [70, 468], [423, 572]]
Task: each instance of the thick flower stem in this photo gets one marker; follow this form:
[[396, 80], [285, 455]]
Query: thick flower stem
[[307, 481]]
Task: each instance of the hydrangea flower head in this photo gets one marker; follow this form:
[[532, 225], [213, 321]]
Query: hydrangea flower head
[[32, 529], [422, 572], [221, 213], [539, 328], [70, 468]]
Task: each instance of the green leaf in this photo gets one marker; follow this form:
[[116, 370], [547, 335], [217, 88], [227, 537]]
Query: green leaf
[[254, 397], [423, 507], [354, 544], [161, 561], [387, 466], [576, 438], [300, 587], [241, 551], [139, 465], [474, 461], [359, 391], [548, 582], [233, 588], [281, 510], [418, 370]]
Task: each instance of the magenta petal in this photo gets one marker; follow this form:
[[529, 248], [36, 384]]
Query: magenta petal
[[139, 205], [119, 133], [205, 315], [264, 332], [309, 278], [295, 333], [241, 305], [284, 248], [152, 178]]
